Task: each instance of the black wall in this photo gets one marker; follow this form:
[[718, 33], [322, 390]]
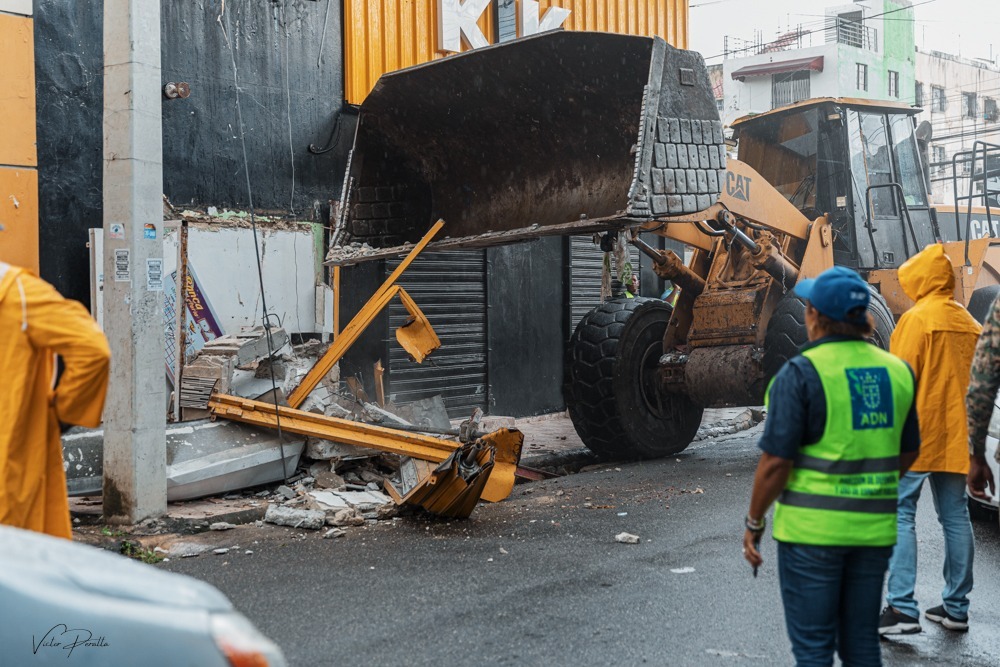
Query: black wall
[[291, 81], [527, 327]]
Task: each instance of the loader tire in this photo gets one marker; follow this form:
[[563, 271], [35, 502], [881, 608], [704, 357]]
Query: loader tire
[[590, 372], [885, 323], [981, 301], [786, 334], [786, 331], [654, 422]]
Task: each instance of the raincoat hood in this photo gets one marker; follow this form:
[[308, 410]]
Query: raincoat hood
[[929, 271]]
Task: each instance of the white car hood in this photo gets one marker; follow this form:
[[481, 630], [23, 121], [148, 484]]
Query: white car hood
[[26, 554]]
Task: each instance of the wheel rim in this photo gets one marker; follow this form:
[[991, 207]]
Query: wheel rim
[[649, 381]]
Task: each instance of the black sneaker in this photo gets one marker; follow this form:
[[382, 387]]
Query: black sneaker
[[939, 615], [894, 622]]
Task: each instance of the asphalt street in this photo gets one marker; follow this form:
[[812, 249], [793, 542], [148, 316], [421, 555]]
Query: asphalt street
[[539, 579]]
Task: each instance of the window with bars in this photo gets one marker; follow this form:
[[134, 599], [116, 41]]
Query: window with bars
[[862, 76], [938, 100], [938, 159], [789, 88], [918, 94], [990, 113], [969, 105], [893, 84]]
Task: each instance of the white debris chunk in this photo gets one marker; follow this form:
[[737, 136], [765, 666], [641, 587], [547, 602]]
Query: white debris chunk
[[295, 518], [222, 525], [682, 570], [627, 538]]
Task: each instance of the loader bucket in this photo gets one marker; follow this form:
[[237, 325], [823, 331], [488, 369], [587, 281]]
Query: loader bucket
[[559, 133]]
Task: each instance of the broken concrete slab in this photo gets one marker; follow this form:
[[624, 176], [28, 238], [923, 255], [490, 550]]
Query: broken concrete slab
[[429, 413], [295, 518], [327, 450], [203, 458], [232, 469], [362, 501], [324, 476], [328, 500], [247, 346], [347, 517]]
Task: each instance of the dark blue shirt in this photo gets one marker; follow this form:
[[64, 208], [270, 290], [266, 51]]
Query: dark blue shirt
[[796, 414]]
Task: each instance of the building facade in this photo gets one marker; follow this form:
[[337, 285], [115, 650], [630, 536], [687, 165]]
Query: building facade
[[861, 50], [959, 98], [295, 71]]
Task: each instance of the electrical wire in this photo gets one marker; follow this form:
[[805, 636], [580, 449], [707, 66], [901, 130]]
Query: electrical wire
[[256, 244], [831, 21]]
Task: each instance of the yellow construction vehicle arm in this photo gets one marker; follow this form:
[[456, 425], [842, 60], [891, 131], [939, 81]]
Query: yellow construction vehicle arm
[[746, 195]]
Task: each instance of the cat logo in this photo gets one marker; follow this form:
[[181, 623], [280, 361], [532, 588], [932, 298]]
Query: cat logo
[[738, 187]]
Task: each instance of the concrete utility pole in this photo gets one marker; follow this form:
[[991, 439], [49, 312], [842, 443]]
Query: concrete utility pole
[[135, 477]]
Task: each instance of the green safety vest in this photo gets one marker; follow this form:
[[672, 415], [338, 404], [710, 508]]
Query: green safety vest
[[842, 490]]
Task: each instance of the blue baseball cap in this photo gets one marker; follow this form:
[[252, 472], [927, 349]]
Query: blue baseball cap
[[839, 293]]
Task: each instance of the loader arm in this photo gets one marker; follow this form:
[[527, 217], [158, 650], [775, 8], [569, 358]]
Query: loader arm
[[749, 201]]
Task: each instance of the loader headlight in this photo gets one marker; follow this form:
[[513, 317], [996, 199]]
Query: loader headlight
[[242, 644]]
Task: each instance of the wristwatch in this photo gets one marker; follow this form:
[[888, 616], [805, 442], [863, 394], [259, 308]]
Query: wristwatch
[[755, 526]]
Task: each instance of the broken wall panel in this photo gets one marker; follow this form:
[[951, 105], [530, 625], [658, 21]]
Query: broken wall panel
[[223, 257]]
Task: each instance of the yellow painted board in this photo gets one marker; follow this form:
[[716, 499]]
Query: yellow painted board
[[17, 91], [385, 35], [19, 217]]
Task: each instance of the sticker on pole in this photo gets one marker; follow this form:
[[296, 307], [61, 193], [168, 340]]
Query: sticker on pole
[[154, 274], [117, 231], [123, 266], [149, 231]]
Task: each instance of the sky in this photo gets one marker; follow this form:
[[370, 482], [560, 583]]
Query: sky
[[961, 27]]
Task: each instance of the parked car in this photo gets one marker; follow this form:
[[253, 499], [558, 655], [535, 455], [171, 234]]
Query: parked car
[[983, 509], [65, 603]]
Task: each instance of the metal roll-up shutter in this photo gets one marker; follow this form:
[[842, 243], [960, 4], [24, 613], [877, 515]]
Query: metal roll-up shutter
[[586, 264], [450, 288]]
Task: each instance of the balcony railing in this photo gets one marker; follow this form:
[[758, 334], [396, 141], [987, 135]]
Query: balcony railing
[[854, 34]]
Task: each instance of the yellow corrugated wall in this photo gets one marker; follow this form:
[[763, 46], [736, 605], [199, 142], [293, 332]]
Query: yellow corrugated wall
[[665, 18], [18, 157], [384, 35]]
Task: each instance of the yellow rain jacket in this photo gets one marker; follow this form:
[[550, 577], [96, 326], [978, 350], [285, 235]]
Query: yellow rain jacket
[[36, 323], [937, 337]]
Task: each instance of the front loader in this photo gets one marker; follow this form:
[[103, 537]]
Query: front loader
[[570, 133]]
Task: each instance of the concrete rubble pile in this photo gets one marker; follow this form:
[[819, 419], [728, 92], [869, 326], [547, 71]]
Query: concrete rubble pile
[[345, 491], [239, 365], [345, 484]]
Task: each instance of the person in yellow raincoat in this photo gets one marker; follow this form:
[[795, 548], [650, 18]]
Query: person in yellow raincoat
[[36, 324], [937, 337]]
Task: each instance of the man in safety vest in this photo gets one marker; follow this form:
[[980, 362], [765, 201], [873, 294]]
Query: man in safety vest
[[937, 337], [841, 428]]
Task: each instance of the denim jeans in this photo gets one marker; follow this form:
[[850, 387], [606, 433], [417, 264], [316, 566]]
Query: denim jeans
[[952, 508], [832, 597]]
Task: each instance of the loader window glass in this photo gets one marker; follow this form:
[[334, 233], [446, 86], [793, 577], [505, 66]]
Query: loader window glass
[[870, 163], [783, 151], [907, 161]]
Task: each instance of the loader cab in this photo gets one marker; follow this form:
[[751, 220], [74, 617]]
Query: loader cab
[[856, 161]]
